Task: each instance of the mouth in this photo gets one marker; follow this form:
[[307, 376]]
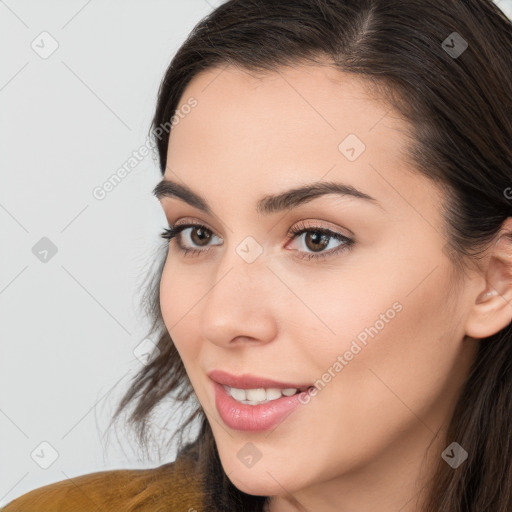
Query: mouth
[[257, 416]]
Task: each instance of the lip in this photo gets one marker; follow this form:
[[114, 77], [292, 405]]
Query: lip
[[238, 416], [246, 417], [247, 381]]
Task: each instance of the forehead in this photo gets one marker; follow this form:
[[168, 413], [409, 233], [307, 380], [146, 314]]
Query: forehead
[[319, 95], [305, 99], [272, 130]]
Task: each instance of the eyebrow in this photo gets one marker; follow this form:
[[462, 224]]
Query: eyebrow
[[268, 204]]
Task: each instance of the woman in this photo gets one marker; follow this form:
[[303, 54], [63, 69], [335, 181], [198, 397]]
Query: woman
[[337, 283]]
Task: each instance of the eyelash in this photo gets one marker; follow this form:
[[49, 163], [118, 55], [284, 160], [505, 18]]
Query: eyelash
[[173, 231]]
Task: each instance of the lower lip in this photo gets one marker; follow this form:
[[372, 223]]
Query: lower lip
[[239, 416]]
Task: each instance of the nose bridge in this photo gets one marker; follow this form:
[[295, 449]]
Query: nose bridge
[[241, 277], [244, 262], [239, 300]]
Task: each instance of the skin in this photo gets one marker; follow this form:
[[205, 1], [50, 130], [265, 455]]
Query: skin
[[362, 442]]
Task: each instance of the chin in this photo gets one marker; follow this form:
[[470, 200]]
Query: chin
[[261, 479], [256, 485]]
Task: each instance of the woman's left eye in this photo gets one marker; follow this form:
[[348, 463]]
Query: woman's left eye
[[316, 239]]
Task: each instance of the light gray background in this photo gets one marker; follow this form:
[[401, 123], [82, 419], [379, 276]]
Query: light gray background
[[70, 325]]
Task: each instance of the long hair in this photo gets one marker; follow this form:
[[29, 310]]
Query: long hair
[[446, 67]]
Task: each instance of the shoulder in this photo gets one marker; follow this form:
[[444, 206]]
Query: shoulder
[[169, 487]]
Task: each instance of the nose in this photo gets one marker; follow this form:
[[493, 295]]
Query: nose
[[238, 309]]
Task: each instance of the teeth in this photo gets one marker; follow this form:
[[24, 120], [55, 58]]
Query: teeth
[[258, 395], [273, 394]]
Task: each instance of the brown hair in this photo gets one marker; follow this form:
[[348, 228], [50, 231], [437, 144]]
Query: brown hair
[[459, 108]]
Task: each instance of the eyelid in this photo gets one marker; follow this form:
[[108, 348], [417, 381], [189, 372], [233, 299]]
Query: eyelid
[[310, 225], [305, 224], [188, 221]]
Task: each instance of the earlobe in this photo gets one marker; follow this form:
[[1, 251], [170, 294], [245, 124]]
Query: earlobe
[[492, 308]]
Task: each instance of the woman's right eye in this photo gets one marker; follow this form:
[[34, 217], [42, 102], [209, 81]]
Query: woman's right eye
[[199, 235]]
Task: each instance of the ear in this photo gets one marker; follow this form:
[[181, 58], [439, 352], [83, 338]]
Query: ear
[[492, 309]]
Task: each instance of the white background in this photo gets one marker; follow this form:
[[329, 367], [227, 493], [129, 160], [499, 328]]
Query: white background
[[69, 326]]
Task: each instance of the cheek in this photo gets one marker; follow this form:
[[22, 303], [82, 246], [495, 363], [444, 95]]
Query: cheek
[[179, 300], [404, 367], [378, 306], [382, 341]]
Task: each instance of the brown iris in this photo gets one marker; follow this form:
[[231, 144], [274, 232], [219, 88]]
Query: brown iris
[[318, 239], [203, 235]]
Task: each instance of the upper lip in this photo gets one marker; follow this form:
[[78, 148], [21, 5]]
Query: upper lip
[[247, 381]]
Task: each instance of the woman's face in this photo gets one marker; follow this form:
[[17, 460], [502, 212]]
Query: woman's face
[[369, 318]]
